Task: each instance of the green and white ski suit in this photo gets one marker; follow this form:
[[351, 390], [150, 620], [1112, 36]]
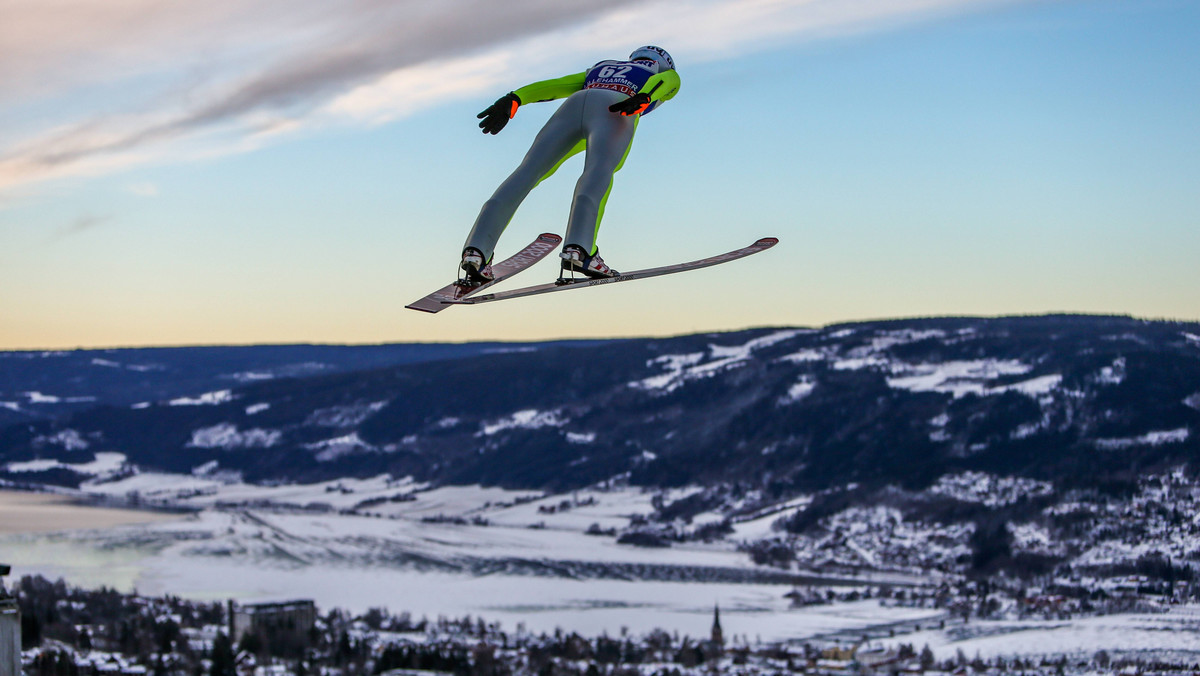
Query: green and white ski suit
[[582, 123]]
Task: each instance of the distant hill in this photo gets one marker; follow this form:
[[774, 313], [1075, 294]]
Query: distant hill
[[1079, 400], [52, 384]]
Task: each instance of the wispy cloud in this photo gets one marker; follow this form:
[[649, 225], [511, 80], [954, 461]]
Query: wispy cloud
[[136, 81], [81, 224]]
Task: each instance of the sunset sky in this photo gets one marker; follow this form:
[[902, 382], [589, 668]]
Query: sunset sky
[[282, 171]]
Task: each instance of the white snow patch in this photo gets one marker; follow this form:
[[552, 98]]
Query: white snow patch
[[1033, 387], [144, 368], [859, 363], [961, 378], [1192, 338], [805, 355], [581, 437], [938, 423], [885, 339], [954, 377], [763, 523], [103, 464], [874, 354], [1149, 439], [257, 408], [68, 439], [33, 466], [1193, 401], [106, 363], [741, 352], [332, 449], [11, 405], [1026, 430], [206, 469], [227, 437], [681, 368], [799, 391], [206, 399], [530, 419], [448, 422], [252, 376], [1114, 374], [40, 398], [674, 366]]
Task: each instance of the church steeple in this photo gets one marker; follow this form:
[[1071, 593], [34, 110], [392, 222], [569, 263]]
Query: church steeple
[[718, 636]]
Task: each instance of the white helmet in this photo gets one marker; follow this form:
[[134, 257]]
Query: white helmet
[[656, 54]]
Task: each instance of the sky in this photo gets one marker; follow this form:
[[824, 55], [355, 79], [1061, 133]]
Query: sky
[[296, 171]]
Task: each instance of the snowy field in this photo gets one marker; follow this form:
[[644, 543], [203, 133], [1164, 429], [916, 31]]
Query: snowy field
[[531, 566], [1176, 632]]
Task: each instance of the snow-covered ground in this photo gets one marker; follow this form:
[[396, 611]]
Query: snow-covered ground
[[104, 463], [1175, 631], [678, 369]]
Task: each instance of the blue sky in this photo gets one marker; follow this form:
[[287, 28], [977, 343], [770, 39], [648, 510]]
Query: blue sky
[[274, 171]]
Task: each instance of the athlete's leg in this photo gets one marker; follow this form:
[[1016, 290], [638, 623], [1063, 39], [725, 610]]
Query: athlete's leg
[[559, 139], [609, 136]]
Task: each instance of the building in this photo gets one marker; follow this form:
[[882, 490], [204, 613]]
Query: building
[[718, 636], [714, 649], [289, 621], [10, 629]]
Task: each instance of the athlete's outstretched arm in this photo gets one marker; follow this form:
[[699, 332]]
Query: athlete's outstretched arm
[[505, 108]]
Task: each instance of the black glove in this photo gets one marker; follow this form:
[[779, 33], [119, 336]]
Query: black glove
[[632, 105], [499, 113]]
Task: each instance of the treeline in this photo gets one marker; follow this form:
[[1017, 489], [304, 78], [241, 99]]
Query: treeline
[[105, 619]]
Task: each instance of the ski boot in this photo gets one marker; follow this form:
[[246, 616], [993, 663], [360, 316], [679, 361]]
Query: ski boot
[[478, 271], [574, 259]]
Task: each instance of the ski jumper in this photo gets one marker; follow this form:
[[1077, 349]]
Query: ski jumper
[[583, 122]]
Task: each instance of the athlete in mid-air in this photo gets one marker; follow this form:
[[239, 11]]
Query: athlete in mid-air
[[600, 115]]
